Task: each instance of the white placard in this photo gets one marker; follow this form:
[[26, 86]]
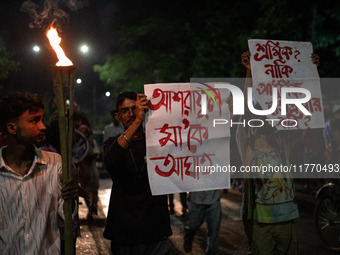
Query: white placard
[[184, 150], [278, 64]]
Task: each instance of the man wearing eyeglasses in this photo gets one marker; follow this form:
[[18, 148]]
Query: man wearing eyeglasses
[[137, 222]]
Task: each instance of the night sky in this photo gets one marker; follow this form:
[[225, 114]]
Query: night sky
[[98, 24], [88, 25]]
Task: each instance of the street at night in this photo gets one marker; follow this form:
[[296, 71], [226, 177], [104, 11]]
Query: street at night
[[232, 106], [231, 240]]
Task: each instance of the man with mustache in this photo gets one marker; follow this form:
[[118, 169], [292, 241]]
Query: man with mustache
[[137, 222], [31, 193]]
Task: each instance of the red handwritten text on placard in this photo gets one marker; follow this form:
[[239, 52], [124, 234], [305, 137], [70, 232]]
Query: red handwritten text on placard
[[186, 134], [182, 165], [313, 105], [197, 132], [189, 100], [277, 71], [173, 134], [273, 51], [266, 88]]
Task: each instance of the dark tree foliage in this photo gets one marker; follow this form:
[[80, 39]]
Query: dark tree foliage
[[7, 65], [173, 42]]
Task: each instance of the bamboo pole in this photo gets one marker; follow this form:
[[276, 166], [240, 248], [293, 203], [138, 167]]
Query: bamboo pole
[[63, 80]]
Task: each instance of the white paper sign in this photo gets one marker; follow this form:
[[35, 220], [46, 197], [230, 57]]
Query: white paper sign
[[278, 64], [184, 150]]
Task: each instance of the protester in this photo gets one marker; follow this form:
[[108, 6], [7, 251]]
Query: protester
[[137, 222], [331, 135], [268, 206], [313, 153], [114, 128], [88, 172], [183, 198], [31, 192], [203, 205]]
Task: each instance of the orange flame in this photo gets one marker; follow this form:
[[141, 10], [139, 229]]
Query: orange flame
[[53, 37]]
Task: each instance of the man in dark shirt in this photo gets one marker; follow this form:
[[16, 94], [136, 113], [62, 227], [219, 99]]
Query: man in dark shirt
[[137, 222]]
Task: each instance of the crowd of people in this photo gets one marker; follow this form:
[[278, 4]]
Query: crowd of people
[[32, 191]]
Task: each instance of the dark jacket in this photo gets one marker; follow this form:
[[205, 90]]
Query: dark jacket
[[135, 216]]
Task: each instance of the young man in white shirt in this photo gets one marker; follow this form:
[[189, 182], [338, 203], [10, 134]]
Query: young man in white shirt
[[31, 193]]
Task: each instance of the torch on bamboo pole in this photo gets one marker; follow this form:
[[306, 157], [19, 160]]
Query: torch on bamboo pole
[[63, 81]]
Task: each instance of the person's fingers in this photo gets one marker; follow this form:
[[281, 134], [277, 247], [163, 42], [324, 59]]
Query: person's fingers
[[70, 191], [245, 59], [141, 97], [315, 59], [245, 54]]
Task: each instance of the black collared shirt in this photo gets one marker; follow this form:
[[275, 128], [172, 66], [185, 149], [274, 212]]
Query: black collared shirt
[[135, 216]]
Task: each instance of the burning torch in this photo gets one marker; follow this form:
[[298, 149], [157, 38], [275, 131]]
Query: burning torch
[[63, 83]]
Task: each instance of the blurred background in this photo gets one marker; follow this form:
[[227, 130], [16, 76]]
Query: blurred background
[[117, 45]]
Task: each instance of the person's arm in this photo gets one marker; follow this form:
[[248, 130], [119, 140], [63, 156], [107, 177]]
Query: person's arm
[[142, 107], [88, 196], [245, 60], [241, 131], [70, 190], [114, 155]]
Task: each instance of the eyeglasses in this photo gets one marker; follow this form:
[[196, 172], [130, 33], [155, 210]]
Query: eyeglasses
[[126, 111]]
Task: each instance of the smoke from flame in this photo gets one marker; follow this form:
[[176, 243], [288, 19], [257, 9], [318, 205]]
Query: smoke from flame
[[49, 10], [53, 37]]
